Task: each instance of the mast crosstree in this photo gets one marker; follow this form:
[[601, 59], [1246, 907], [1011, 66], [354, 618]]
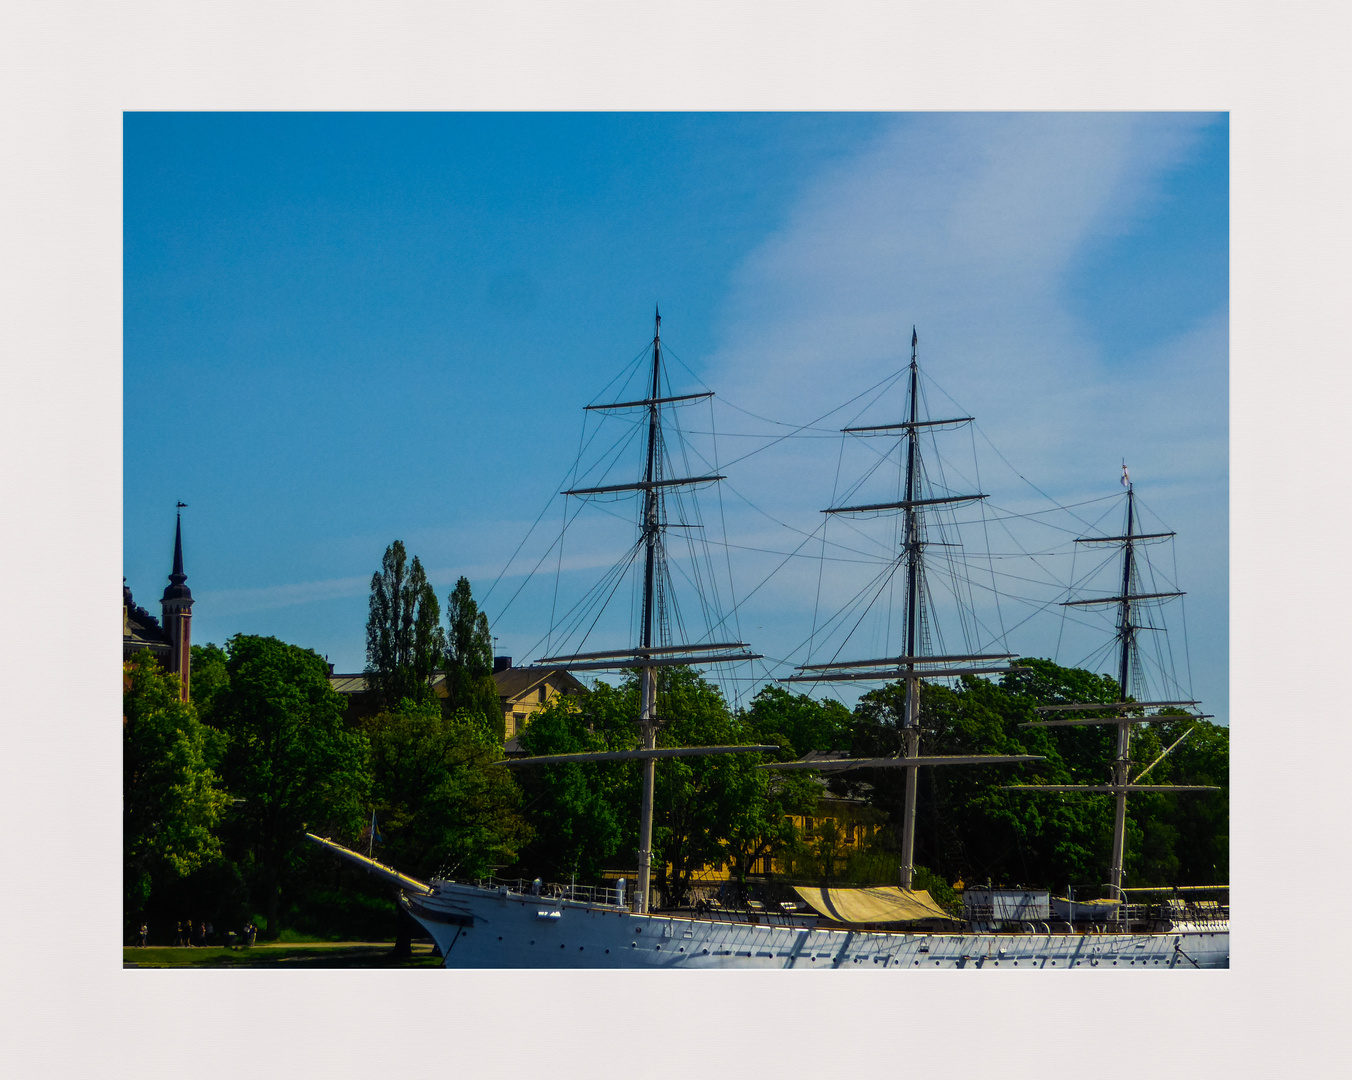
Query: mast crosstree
[[914, 666], [649, 656]]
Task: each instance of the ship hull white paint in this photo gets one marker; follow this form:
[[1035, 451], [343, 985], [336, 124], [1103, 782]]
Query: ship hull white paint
[[482, 928]]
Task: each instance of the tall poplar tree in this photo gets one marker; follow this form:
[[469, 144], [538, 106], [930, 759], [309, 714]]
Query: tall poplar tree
[[469, 660], [404, 639]]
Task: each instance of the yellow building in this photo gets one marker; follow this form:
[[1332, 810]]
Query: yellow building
[[522, 691]]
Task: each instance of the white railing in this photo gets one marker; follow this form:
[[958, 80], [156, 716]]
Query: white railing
[[603, 895]]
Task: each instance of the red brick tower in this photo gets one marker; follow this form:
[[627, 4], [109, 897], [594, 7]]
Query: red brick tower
[[176, 606]]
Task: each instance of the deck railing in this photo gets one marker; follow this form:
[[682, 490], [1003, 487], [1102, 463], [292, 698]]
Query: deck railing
[[582, 894]]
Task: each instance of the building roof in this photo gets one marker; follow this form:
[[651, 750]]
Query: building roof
[[348, 684], [143, 630], [511, 682]]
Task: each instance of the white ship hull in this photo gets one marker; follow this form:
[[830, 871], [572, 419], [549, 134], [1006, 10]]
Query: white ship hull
[[486, 928]]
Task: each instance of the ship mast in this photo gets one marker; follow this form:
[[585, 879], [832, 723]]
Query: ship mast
[[912, 554], [1126, 641], [647, 677], [913, 666], [649, 656], [1121, 785]]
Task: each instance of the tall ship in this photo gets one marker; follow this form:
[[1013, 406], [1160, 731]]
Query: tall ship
[[500, 924]]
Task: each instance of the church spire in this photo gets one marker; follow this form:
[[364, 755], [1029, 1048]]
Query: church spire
[[178, 577], [176, 606]]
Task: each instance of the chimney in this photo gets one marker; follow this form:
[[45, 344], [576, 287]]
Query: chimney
[[501, 663]]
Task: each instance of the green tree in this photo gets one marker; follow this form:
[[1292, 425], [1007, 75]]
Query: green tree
[[444, 803], [582, 816], [967, 825], [798, 723], [290, 759], [1180, 838], [171, 800], [706, 809], [469, 660], [209, 677], [404, 639]]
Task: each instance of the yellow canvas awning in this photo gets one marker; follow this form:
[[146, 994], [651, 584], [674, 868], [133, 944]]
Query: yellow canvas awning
[[881, 905]]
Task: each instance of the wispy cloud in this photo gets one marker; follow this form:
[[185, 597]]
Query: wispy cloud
[[970, 228], [226, 602]]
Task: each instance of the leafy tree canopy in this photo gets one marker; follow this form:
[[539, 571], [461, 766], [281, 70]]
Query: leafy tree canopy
[[443, 805], [291, 758], [582, 816], [797, 722], [969, 827], [171, 800]]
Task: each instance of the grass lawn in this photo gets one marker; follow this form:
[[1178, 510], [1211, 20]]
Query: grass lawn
[[343, 954]]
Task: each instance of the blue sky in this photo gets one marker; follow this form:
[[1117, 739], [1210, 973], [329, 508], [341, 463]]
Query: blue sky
[[343, 329]]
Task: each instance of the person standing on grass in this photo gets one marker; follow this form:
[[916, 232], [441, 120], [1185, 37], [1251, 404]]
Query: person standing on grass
[[144, 930]]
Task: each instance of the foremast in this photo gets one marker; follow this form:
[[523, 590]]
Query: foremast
[[650, 655], [913, 666], [1128, 602]]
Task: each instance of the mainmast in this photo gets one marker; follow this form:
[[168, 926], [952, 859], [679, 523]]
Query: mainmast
[[1121, 785], [913, 666], [912, 555], [650, 655]]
